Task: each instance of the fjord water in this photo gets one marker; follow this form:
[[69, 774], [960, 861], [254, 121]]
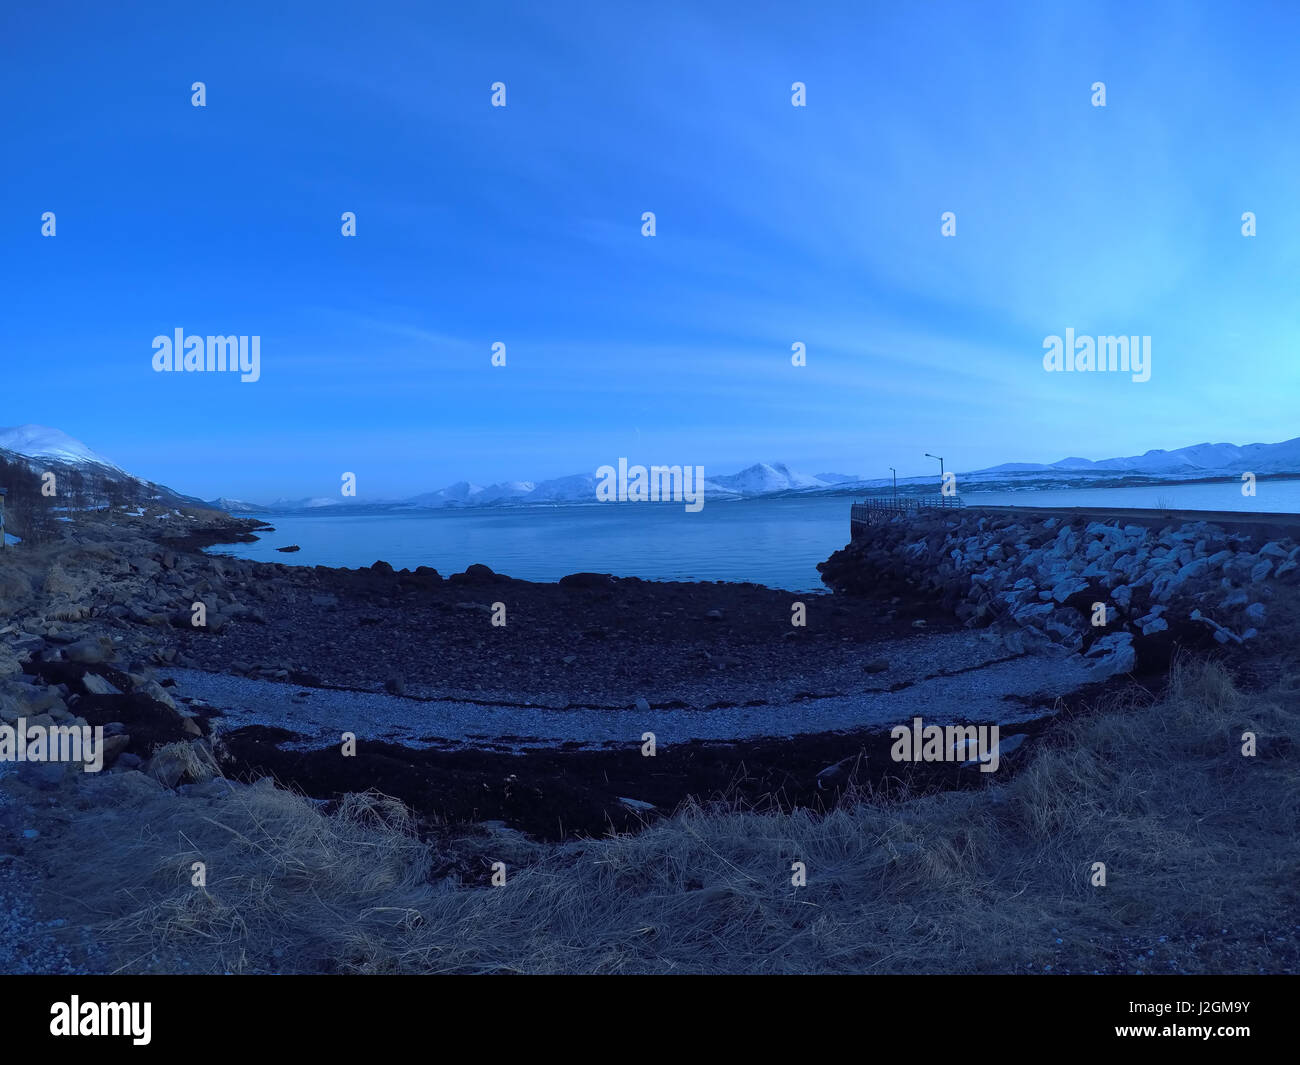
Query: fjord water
[[773, 541]]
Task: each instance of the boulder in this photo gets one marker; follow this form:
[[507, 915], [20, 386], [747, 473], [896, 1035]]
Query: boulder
[[97, 685], [114, 749], [92, 649], [1111, 655], [158, 694], [477, 573]]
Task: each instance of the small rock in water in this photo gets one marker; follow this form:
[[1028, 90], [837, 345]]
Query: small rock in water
[[642, 704]]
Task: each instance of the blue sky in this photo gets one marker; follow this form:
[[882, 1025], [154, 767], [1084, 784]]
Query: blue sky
[[522, 225]]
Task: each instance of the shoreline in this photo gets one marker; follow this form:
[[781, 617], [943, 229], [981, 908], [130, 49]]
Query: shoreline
[[98, 631], [493, 672], [708, 665]]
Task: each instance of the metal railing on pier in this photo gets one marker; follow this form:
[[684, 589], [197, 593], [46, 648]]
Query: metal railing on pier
[[873, 511]]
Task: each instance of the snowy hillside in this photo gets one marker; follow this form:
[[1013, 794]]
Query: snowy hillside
[[86, 478], [42, 442]]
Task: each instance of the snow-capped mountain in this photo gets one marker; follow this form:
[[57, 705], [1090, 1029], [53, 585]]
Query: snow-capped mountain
[[1195, 460], [762, 478], [495, 493], [464, 493], [578, 488], [42, 442], [85, 478], [37, 448], [759, 479], [236, 506]]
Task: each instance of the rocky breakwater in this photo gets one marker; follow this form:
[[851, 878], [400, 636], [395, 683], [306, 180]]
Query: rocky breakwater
[[1121, 593]]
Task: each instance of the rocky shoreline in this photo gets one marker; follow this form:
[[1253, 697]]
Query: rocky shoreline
[[483, 730], [101, 622], [557, 683]]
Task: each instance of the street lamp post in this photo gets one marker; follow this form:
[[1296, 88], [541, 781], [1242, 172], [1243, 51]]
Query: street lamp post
[[895, 473], [940, 458]]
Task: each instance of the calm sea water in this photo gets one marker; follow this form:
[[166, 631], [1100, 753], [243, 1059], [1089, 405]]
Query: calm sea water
[[777, 542]]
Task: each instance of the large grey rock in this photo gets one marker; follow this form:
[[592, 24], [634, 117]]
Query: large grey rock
[[158, 694], [97, 685], [1166, 584], [1110, 656], [1068, 587], [92, 649]]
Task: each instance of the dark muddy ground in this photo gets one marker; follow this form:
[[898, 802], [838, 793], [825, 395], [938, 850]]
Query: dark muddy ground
[[588, 640]]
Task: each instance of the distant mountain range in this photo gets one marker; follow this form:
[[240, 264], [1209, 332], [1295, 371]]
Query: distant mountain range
[[1199, 461], [41, 446], [1196, 460]]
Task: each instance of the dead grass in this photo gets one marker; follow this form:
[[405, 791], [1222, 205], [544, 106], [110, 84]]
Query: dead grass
[[1196, 839]]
